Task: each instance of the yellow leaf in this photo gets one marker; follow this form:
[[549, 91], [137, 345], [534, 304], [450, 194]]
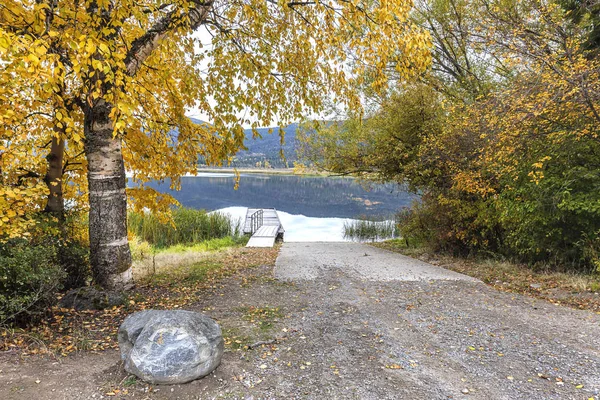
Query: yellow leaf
[[90, 47], [40, 50], [33, 58], [4, 43]]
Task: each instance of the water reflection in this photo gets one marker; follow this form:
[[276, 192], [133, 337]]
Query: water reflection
[[300, 228], [295, 195]]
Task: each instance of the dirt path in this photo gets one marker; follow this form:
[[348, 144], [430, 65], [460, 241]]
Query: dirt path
[[362, 323]]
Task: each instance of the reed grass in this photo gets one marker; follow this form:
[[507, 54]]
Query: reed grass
[[189, 227], [370, 230]]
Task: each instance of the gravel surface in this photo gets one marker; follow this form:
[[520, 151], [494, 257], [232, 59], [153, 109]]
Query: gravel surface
[[306, 261], [356, 326]]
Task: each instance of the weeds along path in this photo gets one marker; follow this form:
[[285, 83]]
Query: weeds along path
[[348, 321]]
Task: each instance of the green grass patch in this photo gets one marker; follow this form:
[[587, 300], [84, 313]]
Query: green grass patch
[[263, 317], [148, 259], [235, 339], [197, 272], [131, 380], [207, 245], [403, 246]]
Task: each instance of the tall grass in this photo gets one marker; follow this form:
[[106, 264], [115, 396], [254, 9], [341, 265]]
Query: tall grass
[[365, 230], [191, 226]]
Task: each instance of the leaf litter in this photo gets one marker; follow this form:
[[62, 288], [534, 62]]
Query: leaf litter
[[66, 331]]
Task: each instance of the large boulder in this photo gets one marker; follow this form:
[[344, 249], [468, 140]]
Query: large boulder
[[168, 347]]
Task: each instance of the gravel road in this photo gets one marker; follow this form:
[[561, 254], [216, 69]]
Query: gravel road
[[308, 261], [357, 322]]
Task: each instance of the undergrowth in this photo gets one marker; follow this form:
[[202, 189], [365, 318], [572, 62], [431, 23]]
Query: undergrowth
[[65, 331]]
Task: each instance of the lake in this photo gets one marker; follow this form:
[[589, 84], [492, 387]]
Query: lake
[[310, 208]]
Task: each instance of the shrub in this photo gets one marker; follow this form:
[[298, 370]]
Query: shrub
[[68, 236], [455, 225], [29, 279], [74, 258]]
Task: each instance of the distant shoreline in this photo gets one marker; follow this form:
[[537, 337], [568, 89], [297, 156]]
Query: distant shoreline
[[271, 171], [266, 171]]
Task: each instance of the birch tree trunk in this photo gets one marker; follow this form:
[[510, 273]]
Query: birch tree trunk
[[54, 178], [110, 257]]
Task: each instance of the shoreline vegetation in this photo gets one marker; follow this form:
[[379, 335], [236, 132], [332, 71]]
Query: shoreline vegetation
[[370, 230], [267, 171], [187, 227]]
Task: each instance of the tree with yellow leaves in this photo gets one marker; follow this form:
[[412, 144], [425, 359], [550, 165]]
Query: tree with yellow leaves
[[116, 77]]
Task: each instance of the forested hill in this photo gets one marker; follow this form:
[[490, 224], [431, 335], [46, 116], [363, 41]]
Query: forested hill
[[267, 147]]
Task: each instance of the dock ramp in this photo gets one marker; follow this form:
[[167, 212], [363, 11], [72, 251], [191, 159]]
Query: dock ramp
[[264, 226]]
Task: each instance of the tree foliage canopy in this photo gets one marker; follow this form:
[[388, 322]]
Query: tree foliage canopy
[[264, 62]]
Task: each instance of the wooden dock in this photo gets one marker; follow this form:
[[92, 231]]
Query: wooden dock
[[264, 226]]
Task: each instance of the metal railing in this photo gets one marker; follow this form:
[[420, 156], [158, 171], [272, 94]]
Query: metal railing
[[256, 221]]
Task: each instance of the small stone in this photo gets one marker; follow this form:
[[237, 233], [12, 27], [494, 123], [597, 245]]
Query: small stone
[[535, 286], [465, 391]]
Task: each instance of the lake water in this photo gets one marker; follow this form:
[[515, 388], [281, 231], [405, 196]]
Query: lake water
[[310, 208]]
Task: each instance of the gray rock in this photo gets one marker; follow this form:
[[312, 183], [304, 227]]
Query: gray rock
[[170, 346], [91, 298]]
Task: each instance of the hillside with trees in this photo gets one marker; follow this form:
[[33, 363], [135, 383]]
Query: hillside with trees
[[274, 147]]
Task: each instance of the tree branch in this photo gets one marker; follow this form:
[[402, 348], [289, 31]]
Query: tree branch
[[142, 47]]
